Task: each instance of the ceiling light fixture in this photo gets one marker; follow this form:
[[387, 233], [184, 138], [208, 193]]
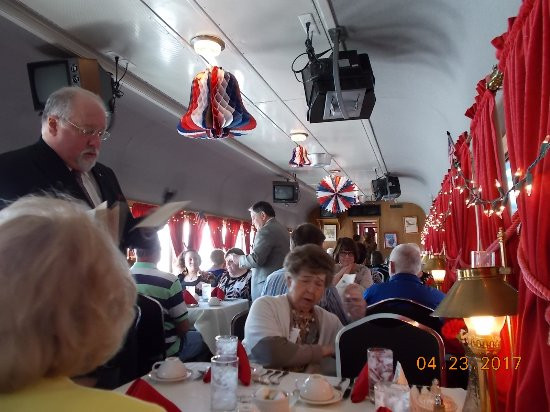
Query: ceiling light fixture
[[207, 45], [298, 136]]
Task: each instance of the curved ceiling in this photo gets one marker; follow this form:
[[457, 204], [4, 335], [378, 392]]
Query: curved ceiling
[[427, 57]]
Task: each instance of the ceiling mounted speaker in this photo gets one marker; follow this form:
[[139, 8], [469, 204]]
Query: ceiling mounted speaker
[[320, 159]]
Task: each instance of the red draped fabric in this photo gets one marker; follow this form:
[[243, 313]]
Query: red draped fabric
[[196, 225], [175, 226], [141, 209], [216, 225], [232, 227], [247, 227], [525, 61]]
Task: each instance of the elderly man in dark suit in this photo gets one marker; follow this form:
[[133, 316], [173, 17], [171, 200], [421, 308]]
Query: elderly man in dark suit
[[271, 244], [64, 160]]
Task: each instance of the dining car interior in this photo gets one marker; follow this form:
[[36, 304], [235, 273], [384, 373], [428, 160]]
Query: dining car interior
[[274, 206]]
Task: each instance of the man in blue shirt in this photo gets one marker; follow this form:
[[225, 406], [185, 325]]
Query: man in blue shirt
[[404, 283], [275, 283]]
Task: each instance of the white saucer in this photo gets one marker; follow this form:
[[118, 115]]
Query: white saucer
[[154, 377], [336, 397]]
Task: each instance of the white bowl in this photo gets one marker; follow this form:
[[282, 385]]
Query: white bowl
[[214, 301], [170, 368], [317, 388]]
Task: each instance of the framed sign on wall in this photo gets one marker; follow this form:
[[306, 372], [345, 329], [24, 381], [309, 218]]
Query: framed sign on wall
[[390, 240], [411, 224]]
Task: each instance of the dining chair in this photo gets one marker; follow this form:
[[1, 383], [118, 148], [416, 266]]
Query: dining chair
[[237, 324], [409, 308], [417, 347], [150, 334]]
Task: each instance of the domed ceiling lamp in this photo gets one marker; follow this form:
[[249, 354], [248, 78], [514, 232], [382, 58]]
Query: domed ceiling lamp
[[207, 45], [320, 159], [298, 136]]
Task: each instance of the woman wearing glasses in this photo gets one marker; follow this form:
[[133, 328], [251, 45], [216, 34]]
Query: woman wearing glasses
[[346, 255]]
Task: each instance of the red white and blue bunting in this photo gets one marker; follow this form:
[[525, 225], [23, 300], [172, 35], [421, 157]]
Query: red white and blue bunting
[[299, 157], [336, 193], [216, 109]]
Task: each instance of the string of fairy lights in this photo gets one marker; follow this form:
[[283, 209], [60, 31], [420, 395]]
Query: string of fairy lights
[[496, 206]]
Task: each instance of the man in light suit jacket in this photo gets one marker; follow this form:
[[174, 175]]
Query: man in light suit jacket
[[271, 244]]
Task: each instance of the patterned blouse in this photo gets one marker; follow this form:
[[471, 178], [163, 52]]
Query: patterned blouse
[[236, 288]]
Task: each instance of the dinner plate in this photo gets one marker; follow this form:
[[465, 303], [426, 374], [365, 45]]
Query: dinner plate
[[153, 376], [192, 305], [336, 397]]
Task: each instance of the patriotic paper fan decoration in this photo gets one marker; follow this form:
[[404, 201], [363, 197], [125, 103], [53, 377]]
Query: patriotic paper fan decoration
[[216, 109], [336, 193], [299, 157]]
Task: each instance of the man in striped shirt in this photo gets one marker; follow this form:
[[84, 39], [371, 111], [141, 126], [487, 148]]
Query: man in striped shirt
[[166, 289], [275, 283]]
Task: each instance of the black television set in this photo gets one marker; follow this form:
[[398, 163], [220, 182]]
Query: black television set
[[325, 213], [47, 76], [285, 192], [365, 210]]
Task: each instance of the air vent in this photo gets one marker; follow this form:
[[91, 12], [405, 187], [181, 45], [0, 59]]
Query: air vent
[[398, 206]]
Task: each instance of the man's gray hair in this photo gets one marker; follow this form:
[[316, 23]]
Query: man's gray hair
[[406, 258], [60, 102]]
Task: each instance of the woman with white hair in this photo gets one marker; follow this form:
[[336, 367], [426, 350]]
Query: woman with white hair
[[66, 302], [189, 263]]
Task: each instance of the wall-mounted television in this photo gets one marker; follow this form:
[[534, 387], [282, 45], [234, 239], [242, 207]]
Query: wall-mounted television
[[325, 213], [47, 76], [285, 192], [365, 210]]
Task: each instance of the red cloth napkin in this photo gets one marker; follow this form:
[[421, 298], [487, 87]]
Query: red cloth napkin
[[217, 293], [361, 388], [245, 373], [142, 390], [189, 298]]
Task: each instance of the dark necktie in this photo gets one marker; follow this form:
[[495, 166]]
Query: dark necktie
[[78, 177]]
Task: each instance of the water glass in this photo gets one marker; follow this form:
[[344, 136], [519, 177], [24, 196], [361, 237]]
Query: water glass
[[226, 345], [223, 386], [380, 361], [393, 396], [482, 259], [206, 291]]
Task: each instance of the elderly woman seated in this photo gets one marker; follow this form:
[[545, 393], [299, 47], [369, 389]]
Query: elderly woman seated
[[290, 331], [66, 300], [235, 281], [346, 256], [191, 275]]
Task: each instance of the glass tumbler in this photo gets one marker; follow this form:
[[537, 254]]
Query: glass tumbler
[[380, 361], [226, 345], [223, 386]]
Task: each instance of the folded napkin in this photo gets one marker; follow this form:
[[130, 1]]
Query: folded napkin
[[217, 293], [245, 373], [142, 390], [189, 298], [361, 387]]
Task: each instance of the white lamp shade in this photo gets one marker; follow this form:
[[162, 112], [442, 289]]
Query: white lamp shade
[[439, 274], [298, 136], [485, 325], [207, 46]]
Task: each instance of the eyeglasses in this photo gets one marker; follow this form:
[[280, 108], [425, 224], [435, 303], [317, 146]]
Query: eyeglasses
[[102, 134], [346, 252]]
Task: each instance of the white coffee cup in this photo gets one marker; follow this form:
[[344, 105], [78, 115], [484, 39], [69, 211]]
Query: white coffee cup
[[170, 368], [316, 388], [267, 400]]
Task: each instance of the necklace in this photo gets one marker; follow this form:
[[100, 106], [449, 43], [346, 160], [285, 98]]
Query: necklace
[[304, 323]]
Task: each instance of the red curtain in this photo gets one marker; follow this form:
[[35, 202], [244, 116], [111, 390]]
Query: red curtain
[[196, 225], [525, 62], [247, 227], [232, 227], [141, 209], [216, 225], [176, 234]]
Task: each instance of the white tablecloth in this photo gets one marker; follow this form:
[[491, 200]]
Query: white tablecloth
[[212, 321], [194, 395]]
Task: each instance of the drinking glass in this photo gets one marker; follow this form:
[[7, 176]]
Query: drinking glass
[[226, 345], [380, 361], [223, 386], [393, 396], [206, 291], [482, 259]]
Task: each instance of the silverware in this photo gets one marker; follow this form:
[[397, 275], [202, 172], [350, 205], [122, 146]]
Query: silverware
[[347, 392], [264, 377], [281, 377], [339, 386], [273, 378]]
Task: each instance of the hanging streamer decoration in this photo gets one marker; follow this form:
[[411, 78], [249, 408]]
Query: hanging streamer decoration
[[336, 193], [216, 110], [299, 157]]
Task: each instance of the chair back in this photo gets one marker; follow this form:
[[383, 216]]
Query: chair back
[[409, 308], [237, 324], [417, 347], [150, 334]]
